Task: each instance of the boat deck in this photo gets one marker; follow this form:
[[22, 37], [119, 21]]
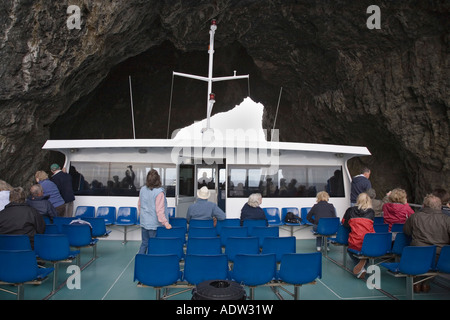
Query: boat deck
[[110, 277]]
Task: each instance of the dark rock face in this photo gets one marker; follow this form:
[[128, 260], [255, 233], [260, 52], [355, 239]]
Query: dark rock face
[[343, 83]]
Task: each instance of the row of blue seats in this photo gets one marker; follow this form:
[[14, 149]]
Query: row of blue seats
[[252, 270]]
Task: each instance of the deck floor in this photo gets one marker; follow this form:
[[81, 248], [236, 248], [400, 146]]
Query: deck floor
[[110, 277]]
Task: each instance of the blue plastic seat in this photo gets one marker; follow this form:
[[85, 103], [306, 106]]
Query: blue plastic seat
[[397, 227], [375, 245], [401, 241], [79, 236], [60, 221], [250, 224], [196, 223], [19, 267], [98, 227], [378, 220], [157, 245], [14, 242], [279, 246], [178, 222], [443, 264], [107, 213], [299, 269], [273, 216], [383, 227], [241, 245], [85, 212], [227, 223], [175, 232], [284, 212], [203, 246], [126, 217], [51, 229], [157, 270], [54, 248], [413, 262], [303, 214], [326, 228], [262, 232], [198, 232], [341, 239], [232, 232], [199, 268], [172, 212], [253, 270]]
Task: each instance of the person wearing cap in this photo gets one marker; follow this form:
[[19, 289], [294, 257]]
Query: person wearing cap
[[63, 181], [203, 209]]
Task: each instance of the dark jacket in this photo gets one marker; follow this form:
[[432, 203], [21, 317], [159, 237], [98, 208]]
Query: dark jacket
[[20, 218], [252, 213], [428, 227], [64, 183], [43, 206], [359, 185], [321, 209], [360, 222]]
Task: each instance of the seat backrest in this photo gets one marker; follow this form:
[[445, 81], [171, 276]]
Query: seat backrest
[[198, 232], [156, 270], [328, 226], [250, 224], [85, 211], [300, 268], [241, 245], [232, 232], [272, 215], [279, 246], [51, 229], [60, 221], [285, 210], [227, 223], [52, 247], [79, 235], [378, 220], [304, 213], [397, 227], [417, 260], [107, 213], [158, 245], [203, 246], [263, 232], [376, 244], [254, 269], [201, 223], [175, 232], [342, 235], [443, 264], [401, 241], [127, 215], [98, 226], [381, 227], [14, 242], [18, 266], [199, 268], [178, 222]]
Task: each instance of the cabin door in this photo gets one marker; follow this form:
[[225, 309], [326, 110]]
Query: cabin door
[[185, 190], [212, 176]]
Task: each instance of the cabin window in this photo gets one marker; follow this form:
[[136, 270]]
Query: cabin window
[[118, 178], [288, 181]]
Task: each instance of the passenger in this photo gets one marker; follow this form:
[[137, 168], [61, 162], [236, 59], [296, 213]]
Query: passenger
[[63, 181], [429, 226], [377, 205], [252, 210], [20, 218], [41, 203], [444, 195], [203, 209], [152, 206], [397, 210], [322, 209], [52, 191], [359, 219], [360, 183], [5, 189]]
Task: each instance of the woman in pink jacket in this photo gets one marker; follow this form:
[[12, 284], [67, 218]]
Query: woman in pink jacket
[[397, 210]]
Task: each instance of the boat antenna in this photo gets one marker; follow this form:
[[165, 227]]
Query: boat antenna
[[132, 110], [276, 113], [170, 108], [211, 96]]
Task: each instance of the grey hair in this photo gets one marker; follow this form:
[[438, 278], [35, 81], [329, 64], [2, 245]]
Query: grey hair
[[254, 200]]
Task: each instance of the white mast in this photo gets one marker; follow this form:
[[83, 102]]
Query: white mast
[[210, 100]]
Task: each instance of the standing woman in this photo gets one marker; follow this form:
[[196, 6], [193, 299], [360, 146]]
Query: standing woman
[[152, 208]]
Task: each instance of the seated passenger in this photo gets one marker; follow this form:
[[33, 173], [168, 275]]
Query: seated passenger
[[322, 209], [252, 210], [203, 209], [397, 210], [359, 219], [41, 203]]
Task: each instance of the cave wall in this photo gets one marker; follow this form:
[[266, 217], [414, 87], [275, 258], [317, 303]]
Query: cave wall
[[343, 83]]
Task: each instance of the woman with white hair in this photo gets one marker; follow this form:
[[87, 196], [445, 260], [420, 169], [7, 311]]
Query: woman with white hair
[[252, 210]]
